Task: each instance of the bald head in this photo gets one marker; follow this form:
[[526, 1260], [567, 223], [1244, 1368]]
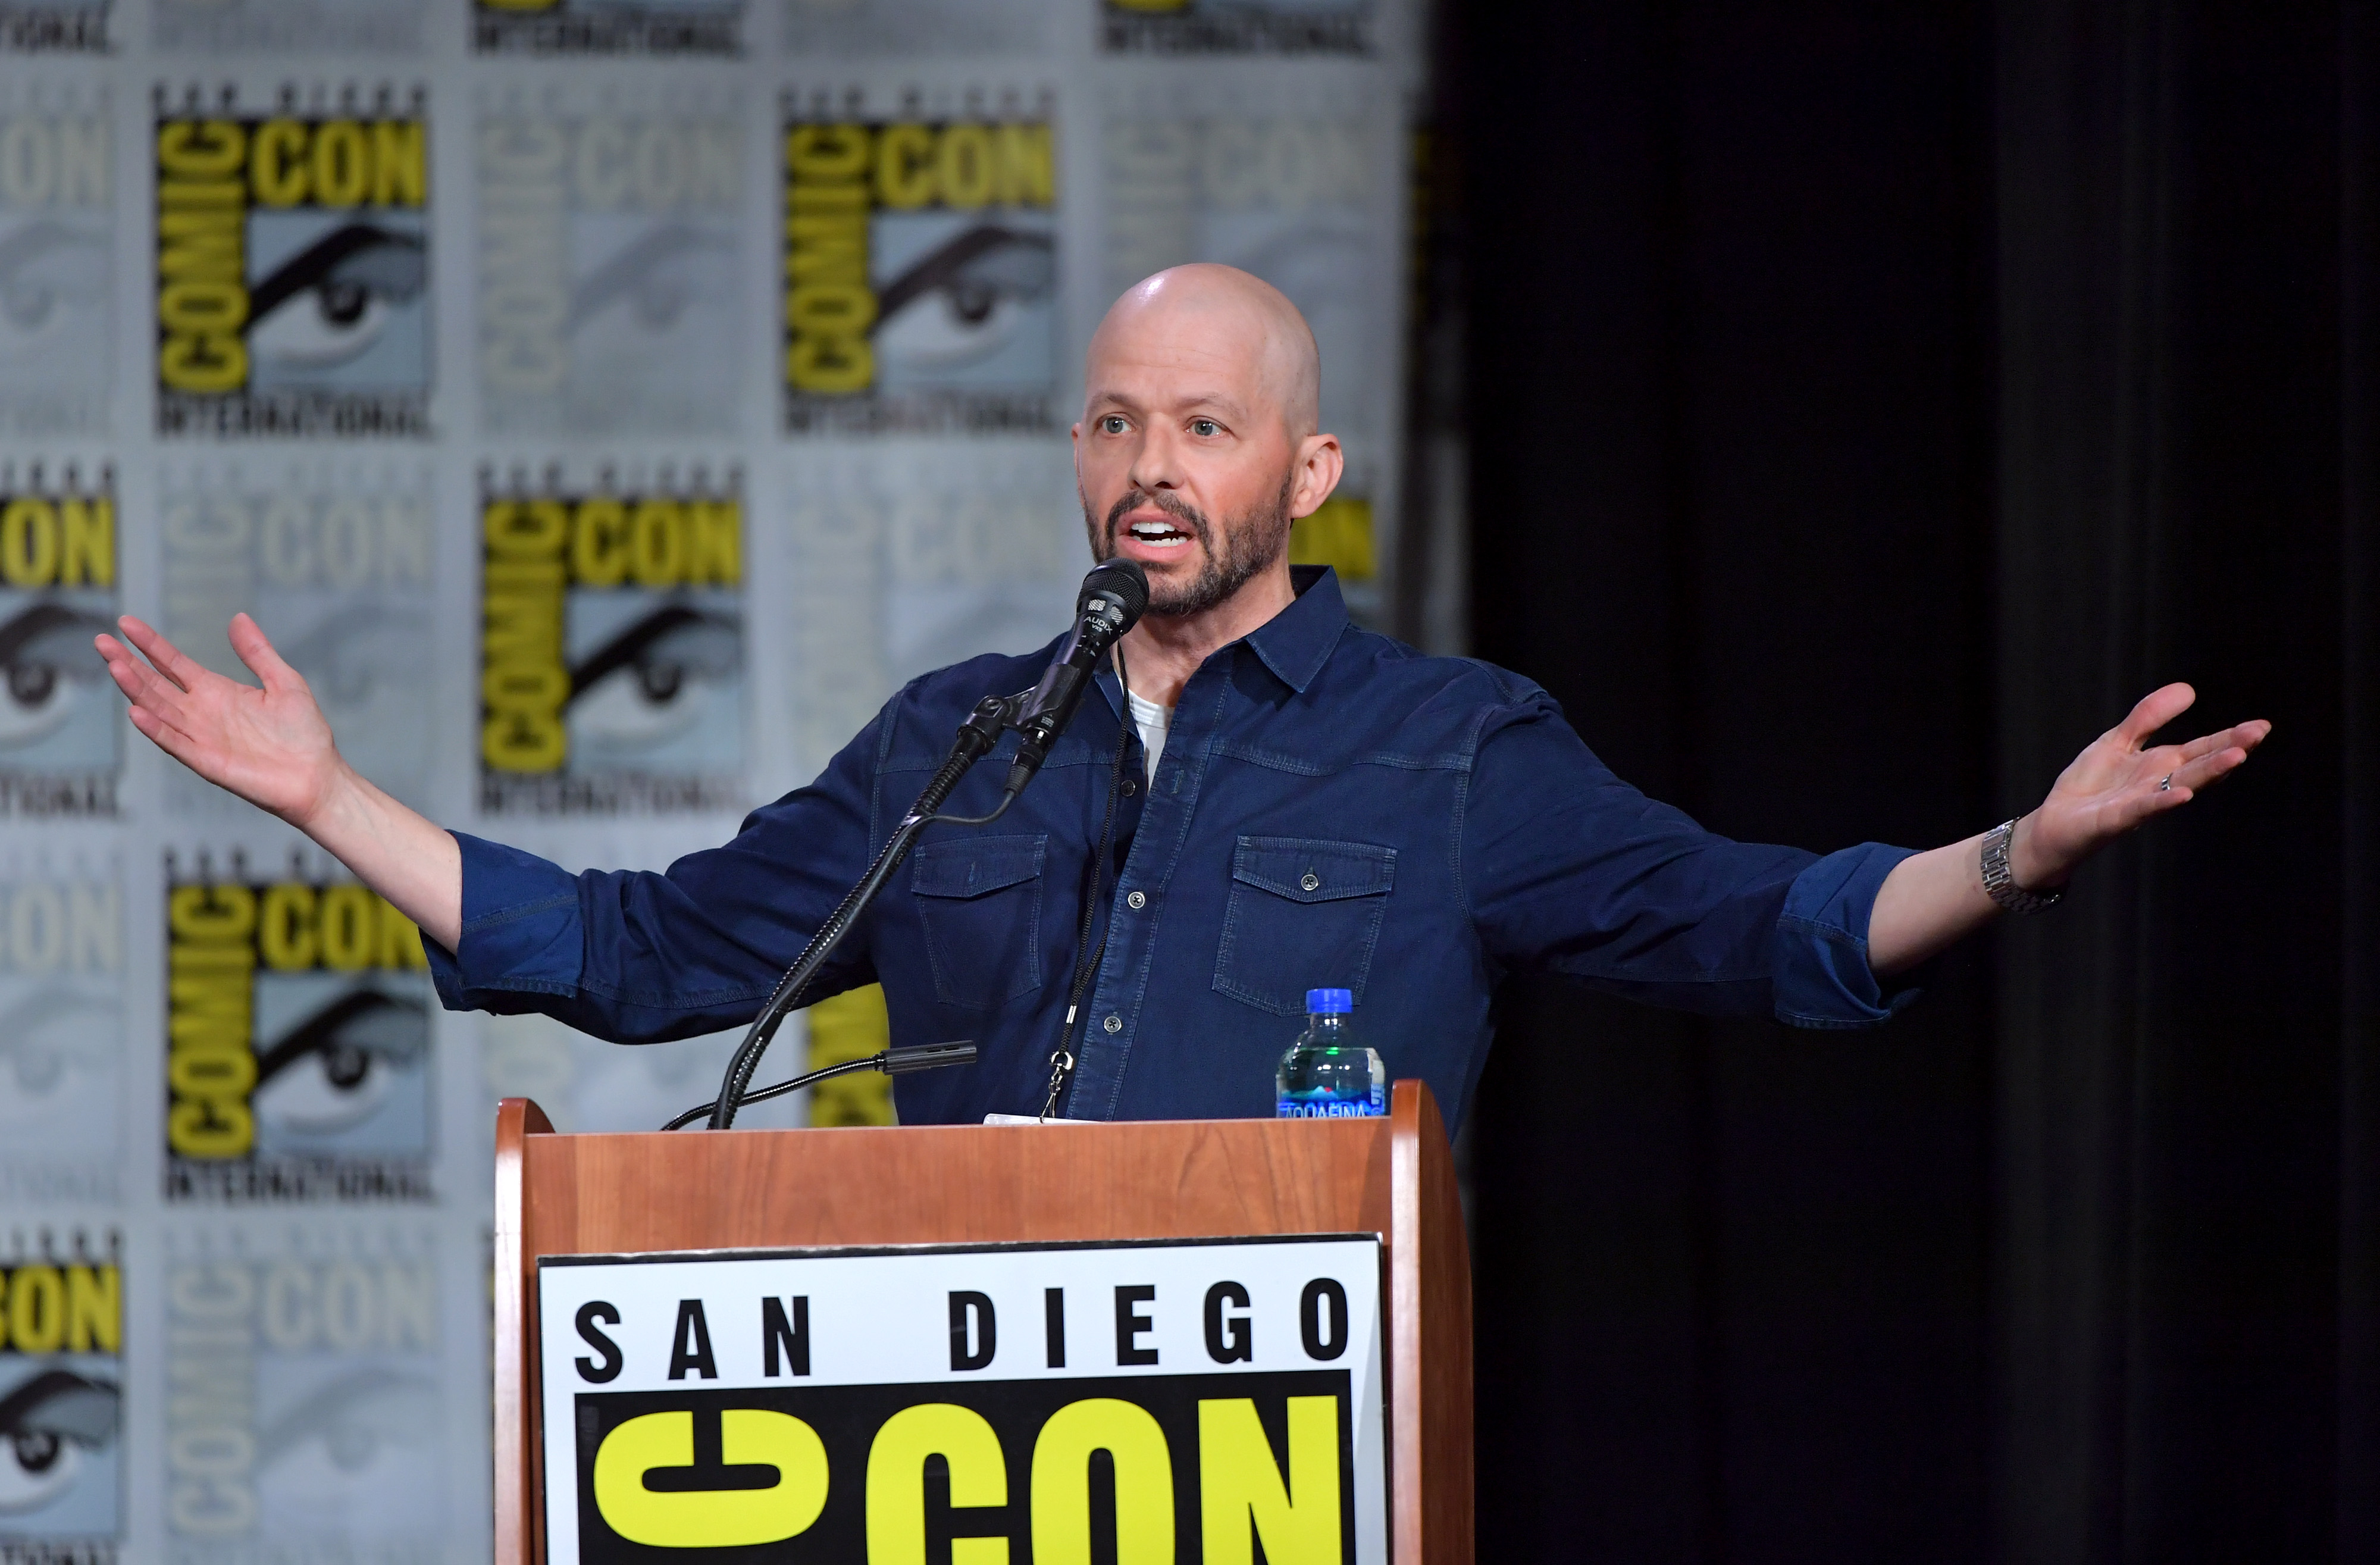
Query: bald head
[[1243, 327], [1198, 446]]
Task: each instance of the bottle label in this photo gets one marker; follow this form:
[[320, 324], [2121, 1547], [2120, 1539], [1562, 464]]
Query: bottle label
[[1331, 1108]]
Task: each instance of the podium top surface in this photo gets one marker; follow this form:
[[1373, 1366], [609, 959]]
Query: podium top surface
[[694, 1190]]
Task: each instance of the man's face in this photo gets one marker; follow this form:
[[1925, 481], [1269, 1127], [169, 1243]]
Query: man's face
[[1183, 458]]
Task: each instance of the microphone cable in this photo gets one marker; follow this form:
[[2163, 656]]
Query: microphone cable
[[1086, 961]]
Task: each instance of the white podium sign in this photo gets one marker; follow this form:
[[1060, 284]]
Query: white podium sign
[[1006, 1404]]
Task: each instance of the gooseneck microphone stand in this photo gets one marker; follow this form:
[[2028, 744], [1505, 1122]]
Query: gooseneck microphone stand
[[1113, 595], [975, 738]]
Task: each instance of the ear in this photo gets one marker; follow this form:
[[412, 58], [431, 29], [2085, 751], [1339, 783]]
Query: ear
[[1320, 463]]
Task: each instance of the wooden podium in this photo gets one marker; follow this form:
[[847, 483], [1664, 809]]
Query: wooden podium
[[786, 1190]]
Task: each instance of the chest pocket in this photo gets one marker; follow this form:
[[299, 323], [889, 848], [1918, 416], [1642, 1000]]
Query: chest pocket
[[980, 900], [1303, 913]]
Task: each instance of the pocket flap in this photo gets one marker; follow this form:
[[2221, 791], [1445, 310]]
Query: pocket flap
[[970, 867], [1308, 869]]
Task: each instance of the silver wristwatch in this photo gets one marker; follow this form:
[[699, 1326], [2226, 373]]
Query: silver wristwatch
[[2001, 884]]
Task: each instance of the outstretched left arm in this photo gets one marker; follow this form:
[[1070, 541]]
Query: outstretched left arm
[[1936, 899]]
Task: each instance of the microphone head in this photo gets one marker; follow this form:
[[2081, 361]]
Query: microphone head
[[1123, 582]]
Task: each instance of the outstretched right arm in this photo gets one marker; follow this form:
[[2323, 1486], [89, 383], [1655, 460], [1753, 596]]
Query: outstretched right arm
[[272, 749]]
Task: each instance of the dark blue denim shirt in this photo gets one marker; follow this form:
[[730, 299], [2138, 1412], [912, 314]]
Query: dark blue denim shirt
[[1330, 809]]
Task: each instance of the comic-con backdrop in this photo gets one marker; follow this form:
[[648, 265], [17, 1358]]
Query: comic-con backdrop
[[605, 405]]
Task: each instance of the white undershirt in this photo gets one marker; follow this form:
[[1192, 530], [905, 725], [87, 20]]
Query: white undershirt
[[1152, 720]]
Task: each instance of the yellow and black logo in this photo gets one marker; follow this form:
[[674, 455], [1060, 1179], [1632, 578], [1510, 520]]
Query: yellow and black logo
[[297, 1026], [58, 731], [61, 1340], [612, 649], [1201, 1468], [920, 275], [293, 269], [608, 26]]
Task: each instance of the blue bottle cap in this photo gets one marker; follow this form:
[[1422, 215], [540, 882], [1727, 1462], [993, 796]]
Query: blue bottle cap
[[1330, 1002]]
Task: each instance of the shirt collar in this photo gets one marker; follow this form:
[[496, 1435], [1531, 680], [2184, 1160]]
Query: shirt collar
[[1295, 642]]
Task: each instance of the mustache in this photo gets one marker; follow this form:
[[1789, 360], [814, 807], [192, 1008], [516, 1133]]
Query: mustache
[[1181, 511]]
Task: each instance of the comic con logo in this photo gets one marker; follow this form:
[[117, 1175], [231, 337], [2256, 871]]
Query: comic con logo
[[920, 275], [1218, 1409], [338, 565], [1236, 27], [61, 1018], [612, 650], [61, 1336], [609, 26], [56, 250], [306, 1408], [297, 1063], [607, 274], [58, 727], [293, 274]]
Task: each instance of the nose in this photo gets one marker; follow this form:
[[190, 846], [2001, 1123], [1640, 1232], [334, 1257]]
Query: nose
[[1156, 462]]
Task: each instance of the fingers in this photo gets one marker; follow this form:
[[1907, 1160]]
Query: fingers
[[141, 684], [2244, 736], [2154, 710], [169, 660], [248, 639], [166, 737], [2207, 770]]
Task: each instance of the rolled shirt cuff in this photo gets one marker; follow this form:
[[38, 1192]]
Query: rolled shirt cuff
[[522, 933], [1822, 977]]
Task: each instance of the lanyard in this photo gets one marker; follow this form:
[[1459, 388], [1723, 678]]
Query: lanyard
[[1063, 1061]]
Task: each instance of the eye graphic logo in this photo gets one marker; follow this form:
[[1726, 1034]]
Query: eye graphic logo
[[299, 1021], [608, 26], [61, 1335], [58, 738], [1236, 27], [307, 1415], [608, 273], [612, 652], [337, 561], [921, 275], [61, 1030], [57, 258], [293, 272]]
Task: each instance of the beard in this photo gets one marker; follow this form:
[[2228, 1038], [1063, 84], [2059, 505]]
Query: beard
[[1253, 542]]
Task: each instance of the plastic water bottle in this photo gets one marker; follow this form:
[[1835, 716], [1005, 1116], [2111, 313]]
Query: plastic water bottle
[[1326, 1074]]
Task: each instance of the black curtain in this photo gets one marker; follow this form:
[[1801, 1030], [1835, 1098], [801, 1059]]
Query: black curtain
[[1867, 404]]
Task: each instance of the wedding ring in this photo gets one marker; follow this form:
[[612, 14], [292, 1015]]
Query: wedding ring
[[2166, 786]]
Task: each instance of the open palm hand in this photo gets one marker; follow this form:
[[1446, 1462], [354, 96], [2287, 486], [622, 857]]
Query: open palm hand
[[270, 746], [2121, 779]]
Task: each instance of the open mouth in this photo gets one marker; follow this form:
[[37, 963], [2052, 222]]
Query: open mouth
[[1158, 535]]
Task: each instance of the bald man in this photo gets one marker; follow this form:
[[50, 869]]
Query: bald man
[[1277, 801]]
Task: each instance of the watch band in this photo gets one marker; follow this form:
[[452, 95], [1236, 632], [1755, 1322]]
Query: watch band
[[2000, 884]]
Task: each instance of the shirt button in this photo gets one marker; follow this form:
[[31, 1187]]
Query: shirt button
[[1312, 882], [1130, 787], [1114, 1023], [1136, 901]]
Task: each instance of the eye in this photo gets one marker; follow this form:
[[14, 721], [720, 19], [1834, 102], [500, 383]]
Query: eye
[[334, 298], [1112, 424], [1205, 428], [321, 327]]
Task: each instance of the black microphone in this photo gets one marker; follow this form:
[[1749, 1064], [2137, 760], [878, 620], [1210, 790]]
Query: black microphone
[[1113, 597]]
